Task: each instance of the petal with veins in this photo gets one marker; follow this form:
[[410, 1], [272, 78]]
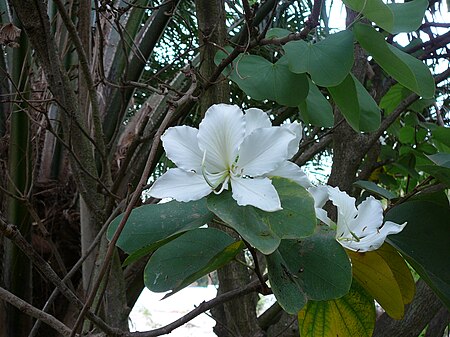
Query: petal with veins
[[220, 134], [180, 185], [291, 171], [258, 192], [255, 119], [181, 146], [263, 151]]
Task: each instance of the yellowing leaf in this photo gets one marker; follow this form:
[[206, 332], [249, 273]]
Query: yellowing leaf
[[348, 316], [374, 274], [400, 270]]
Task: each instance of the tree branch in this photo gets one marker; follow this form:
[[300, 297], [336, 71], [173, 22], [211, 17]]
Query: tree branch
[[28, 309]]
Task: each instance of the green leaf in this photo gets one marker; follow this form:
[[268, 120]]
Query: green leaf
[[441, 169], [264, 230], [151, 225], [328, 61], [442, 135], [277, 33], [261, 79], [407, 134], [374, 189], [407, 70], [189, 257], [395, 95], [351, 315], [316, 109], [356, 104], [395, 18], [425, 241], [408, 16], [375, 275], [316, 268]]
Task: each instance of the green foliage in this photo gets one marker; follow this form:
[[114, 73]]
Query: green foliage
[[189, 257], [316, 109], [328, 61], [150, 226], [395, 17], [425, 241], [264, 230], [314, 268], [407, 70], [350, 315], [262, 79], [373, 188], [356, 104]]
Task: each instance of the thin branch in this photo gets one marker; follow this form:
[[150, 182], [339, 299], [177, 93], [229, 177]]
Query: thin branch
[[205, 306], [29, 310], [11, 232], [76, 266]]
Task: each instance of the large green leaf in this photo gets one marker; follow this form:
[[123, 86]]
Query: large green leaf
[[315, 268], [425, 241], [264, 230], [348, 316], [316, 109], [356, 104], [151, 225], [396, 17], [407, 70], [262, 79], [441, 167], [327, 61], [189, 257]]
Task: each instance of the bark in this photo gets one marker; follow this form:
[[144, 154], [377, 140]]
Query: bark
[[422, 309]]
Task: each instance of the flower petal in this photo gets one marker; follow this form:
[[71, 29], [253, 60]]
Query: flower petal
[[296, 128], [257, 192], [291, 171], [320, 195], [220, 134], [374, 240], [345, 205], [263, 151], [369, 219], [181, 146], [255, 119], [180, 185]]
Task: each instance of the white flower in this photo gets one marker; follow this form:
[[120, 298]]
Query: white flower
[[359, 228], [230, 148]]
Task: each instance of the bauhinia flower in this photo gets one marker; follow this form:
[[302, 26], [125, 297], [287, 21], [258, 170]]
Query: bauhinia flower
[[358, 228], [230, 149]]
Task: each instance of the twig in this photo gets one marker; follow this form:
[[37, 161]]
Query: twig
[[77, 266], [204, 306], [28, 309], [11, 232]]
